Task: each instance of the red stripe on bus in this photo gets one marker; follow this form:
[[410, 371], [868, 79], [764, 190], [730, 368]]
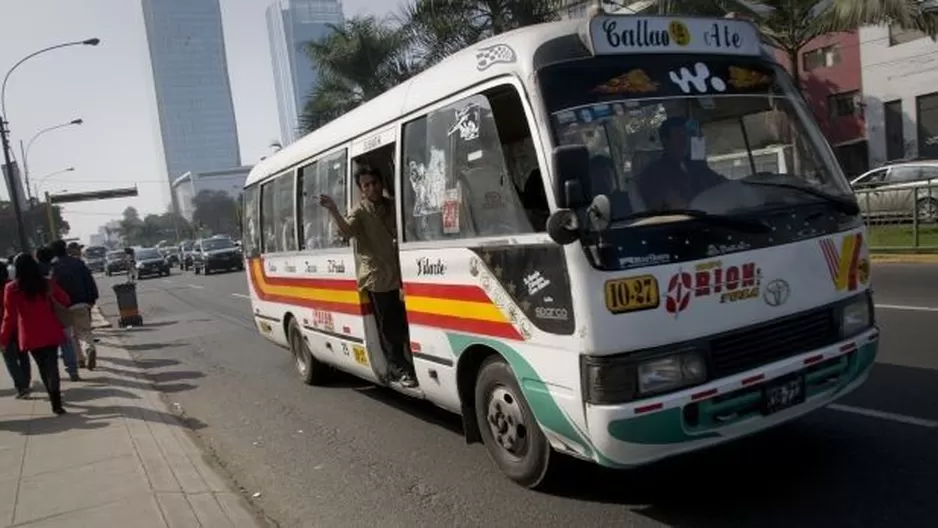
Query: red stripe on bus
[[453, 292]]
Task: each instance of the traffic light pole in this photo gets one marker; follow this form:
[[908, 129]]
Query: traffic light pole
[[14, 188]]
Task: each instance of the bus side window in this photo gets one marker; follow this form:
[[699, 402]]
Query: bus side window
[[457, 183], [268, 218], [325, 176], [277, 199], [250, 209]]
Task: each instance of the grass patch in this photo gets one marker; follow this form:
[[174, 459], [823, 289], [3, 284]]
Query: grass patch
[[901, 236]]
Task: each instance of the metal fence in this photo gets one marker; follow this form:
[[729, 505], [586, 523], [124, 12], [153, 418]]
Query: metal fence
[[901, 217]]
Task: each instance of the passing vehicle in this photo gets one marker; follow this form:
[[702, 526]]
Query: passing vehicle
[[116, 262], [563, 294], [218, 253], [899, 191], [95, 258], [150, 262]]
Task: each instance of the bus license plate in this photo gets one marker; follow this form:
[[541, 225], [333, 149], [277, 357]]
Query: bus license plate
[[782, 394], [361, 357], [632, 294]]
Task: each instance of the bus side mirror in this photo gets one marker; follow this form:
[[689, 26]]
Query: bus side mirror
[[571, 165], [563, 227]]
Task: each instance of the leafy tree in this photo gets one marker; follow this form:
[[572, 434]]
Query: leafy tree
[[152, 228], [36, 219], [216, 212]]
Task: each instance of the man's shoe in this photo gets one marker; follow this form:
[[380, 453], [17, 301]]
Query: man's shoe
[[408, 381], [22, 394], [74, 376], [92, 359]]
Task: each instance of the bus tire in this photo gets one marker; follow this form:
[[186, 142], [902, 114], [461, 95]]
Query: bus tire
[[509, 430], [310, 369]]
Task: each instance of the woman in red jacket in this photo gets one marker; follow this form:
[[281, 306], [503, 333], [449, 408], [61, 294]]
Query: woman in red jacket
[[28, 312]]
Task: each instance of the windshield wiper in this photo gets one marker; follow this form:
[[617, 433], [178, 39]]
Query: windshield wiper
[[844, 205], [737, 223]]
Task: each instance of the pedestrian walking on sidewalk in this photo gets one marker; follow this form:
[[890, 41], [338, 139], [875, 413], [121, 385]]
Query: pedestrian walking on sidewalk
[[73, 276], [45, 256], [33, 309], [17, 364]]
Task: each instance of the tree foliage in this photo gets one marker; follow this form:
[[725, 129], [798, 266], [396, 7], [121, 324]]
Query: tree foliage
[[216, 213], [153, 228], [36, 218]]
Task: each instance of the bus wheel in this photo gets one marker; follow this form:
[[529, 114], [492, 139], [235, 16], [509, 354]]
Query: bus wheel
[[311, 371], [510, 432]]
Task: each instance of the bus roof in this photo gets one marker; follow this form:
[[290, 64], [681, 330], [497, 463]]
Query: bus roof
[[468, 67]]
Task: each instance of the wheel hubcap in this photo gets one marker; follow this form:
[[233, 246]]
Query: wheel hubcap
[[506, 421], [299, 353]]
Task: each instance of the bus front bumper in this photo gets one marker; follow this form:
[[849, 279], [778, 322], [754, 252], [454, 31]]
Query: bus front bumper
[[659, 427]]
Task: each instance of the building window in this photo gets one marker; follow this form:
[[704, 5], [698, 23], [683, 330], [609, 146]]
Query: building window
[[844, 104], [895, 141], [821, 57], [898, 35], [926, 119]]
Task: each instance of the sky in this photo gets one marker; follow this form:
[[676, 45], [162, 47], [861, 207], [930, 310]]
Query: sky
[[110, 87]]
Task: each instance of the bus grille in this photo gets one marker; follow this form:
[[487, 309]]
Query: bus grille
[[751, 347]]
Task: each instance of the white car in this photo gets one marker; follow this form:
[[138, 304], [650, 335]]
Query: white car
[[894, 191]]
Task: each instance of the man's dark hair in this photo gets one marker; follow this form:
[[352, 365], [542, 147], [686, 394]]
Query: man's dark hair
[[664, 131], [44, 255], [367, 170], [58, 248]]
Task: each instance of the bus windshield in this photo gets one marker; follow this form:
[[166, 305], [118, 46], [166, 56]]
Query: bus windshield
[[712, 134]]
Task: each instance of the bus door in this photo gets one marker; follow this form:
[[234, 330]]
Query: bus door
[[376, 150]]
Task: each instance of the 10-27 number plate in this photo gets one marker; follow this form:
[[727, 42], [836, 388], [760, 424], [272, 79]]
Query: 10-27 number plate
[[632, 294], [783, 393]]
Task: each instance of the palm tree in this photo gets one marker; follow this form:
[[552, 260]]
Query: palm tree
[[439, 28], [359, 60]]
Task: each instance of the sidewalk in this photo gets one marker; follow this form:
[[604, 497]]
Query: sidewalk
[[118, 459]]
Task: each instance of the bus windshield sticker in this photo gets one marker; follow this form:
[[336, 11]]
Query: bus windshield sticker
[[451, 203], [635, 81], [685, 79], [613, 34], [429, 183], [742, 78], [466, 123]]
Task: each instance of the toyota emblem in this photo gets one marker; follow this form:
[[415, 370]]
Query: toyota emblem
[[776, 292]]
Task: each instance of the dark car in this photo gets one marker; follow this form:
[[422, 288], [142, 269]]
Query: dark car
[[216, 254], [150, 261], [116, 262]]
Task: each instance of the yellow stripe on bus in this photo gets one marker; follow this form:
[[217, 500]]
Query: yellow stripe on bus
[[465, 309]]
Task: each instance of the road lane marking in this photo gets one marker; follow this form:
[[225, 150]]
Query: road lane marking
[[907, 307], [901, 418], [241, 295], [196, 286]]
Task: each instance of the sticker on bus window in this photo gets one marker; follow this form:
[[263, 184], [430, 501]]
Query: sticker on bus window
[[451, 211]]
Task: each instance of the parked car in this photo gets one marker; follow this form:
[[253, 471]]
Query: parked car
[[897, 190], [116, 262], [216, 254], [149, 261]]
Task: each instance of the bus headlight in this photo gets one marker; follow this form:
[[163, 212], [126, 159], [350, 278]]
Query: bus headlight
[[621, 379], [671, 372], [856, 316]]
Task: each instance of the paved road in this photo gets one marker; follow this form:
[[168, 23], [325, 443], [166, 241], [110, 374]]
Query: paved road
[[353, 454]]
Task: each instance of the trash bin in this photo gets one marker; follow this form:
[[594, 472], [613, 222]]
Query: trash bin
[[127, 305]]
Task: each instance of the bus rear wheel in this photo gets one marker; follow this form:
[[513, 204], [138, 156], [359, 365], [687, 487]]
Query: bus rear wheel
[[310, 369], [510, 433]]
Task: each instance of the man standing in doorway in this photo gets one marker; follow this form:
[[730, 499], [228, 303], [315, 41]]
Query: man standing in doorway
[[73, 276], [371, 223]]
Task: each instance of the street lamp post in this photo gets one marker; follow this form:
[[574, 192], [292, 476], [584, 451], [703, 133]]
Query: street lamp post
[[4, 136], [24, 152]]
